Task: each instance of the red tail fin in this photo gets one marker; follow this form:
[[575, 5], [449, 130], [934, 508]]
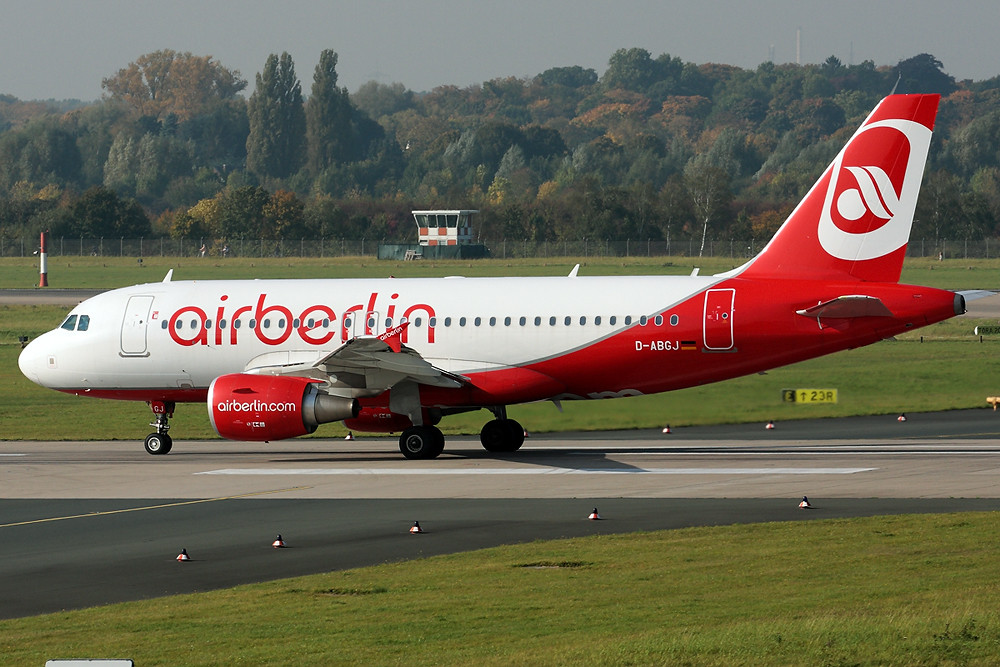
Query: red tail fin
[[855, 221]]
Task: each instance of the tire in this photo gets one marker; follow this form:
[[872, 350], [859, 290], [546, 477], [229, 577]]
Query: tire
[[421, 442], [502, 436], [158, 444]]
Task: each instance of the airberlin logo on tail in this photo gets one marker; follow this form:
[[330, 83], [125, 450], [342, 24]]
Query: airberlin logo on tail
[[873, 189]]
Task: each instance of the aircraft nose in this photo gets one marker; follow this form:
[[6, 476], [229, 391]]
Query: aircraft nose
[[32, 361]]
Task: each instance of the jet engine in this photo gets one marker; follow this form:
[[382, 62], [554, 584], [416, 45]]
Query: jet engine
[[272, 407]]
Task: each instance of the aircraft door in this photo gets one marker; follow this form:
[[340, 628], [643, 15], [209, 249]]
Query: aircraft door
[[361, 323], [134, 323], [718, 326]]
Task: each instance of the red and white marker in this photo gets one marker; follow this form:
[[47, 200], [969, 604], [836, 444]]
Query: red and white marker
[[594, 516], [415, 528], [183, 557], [278, 543], [43, 254]]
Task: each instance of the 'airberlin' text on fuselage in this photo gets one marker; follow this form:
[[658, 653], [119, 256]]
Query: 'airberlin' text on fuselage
[[317, 324]]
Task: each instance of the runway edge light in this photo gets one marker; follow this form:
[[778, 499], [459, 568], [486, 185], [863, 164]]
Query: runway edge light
[[183, 557], [278, 542], [594, 516], [415, 528], [804, 505]]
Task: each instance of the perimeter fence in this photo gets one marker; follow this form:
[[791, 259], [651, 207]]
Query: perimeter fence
[[984, 248]]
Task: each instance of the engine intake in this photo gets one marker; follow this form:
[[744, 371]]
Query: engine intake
[[242, 406]]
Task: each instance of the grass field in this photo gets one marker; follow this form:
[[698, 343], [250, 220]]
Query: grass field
[[907, 590]]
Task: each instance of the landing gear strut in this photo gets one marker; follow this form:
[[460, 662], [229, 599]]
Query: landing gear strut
[[159, 442], [502, 435]]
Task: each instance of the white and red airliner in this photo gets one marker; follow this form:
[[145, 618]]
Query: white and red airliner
[[276, 358]]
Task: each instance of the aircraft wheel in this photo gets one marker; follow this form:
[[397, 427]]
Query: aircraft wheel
[[158, 444], [421, 442], [502, 436]]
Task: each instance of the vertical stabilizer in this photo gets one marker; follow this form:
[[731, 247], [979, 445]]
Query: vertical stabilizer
[[855, 221]]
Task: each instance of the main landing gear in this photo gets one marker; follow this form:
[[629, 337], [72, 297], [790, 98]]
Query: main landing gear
[[421, 442], [500, 436], [159, 442]]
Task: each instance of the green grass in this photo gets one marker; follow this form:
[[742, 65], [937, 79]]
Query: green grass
[[109, 272], [906, 590]]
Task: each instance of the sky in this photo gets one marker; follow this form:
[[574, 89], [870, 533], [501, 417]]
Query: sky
[[62, 49]]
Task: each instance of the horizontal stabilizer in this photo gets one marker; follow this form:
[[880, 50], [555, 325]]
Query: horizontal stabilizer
[[973, 294], [854, 305]]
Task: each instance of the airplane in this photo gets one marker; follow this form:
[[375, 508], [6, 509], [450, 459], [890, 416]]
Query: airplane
[[274, 359]]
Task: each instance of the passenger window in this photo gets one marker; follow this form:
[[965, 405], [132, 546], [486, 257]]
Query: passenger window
[[237, 323], [493, 321], [643, 320], [552, 321], [208, 324], [583, 320], [417, 321], [267, 324], [253, 323], [295, 323], [506, 321], [659, 320], [597, 320], [432, 322], [70, 323], [568, 320], [447, 321], [478, 321], [628, 320], [538, 321], [523, 321], [461, 321], [613, 320], [222, 324], [164, 324]]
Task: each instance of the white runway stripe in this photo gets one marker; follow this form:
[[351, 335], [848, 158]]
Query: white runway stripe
[[536, 471]]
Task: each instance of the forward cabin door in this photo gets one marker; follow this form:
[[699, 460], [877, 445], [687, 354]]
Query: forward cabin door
[[134, 323], [718, 325]]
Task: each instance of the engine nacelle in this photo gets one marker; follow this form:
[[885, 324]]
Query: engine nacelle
[[272, 407]]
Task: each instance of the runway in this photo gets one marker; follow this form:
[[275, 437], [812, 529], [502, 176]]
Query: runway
[[87, 523]]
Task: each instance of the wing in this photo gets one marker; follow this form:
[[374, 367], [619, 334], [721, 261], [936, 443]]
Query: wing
[[363, 366]]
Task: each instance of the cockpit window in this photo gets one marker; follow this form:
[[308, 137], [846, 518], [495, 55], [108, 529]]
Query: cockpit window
[[76, 323]]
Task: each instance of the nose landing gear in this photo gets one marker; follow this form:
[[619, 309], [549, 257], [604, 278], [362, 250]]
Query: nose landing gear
[[159, 442]]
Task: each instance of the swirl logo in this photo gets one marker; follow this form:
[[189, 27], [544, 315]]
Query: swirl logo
[[872, 193]]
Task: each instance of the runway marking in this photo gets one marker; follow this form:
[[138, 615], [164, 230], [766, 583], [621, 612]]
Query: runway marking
[[536, 471], [13, 454], [149, 507]]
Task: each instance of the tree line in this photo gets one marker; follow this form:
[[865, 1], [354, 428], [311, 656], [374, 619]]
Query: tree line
[[652, 148]]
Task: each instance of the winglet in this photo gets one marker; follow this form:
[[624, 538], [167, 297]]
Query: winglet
[[393, 337]]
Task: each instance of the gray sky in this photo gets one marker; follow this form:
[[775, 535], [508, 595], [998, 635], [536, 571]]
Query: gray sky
[[63, 48]]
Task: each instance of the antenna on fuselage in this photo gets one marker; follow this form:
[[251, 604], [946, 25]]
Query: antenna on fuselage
[[576, 269], [169, 275]]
